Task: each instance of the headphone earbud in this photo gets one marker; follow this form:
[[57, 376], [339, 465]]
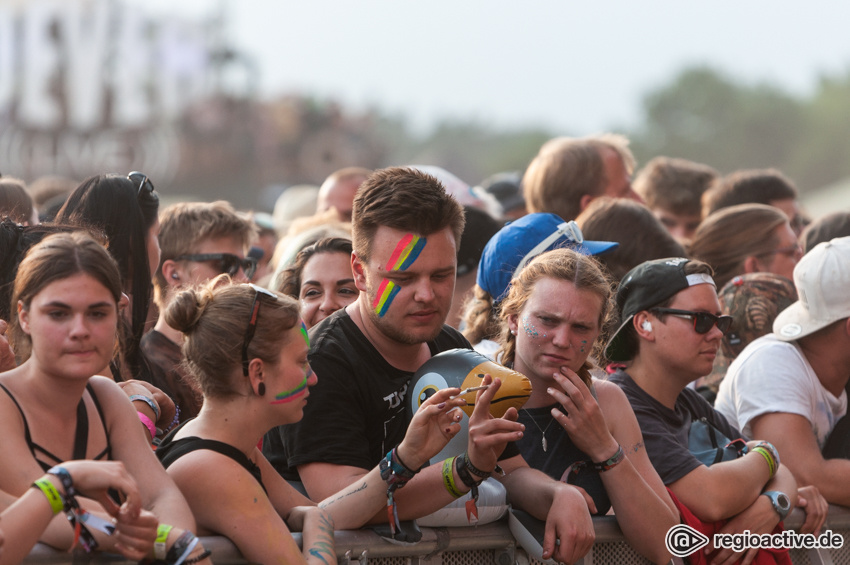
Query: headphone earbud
[[646, 325]]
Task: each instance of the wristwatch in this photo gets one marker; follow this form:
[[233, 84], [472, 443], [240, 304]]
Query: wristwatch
[[780, 502]]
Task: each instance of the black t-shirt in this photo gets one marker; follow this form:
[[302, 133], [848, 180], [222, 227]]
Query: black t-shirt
[[665, 432], [356, 413]]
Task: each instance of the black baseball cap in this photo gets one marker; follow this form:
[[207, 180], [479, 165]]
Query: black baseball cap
[[645, 286]]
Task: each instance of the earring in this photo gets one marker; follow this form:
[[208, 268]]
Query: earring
[[513, 332], [261, 389], [174, 276]]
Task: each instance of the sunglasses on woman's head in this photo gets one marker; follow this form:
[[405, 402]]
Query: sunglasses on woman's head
[[252, 322], [227, 262], [703, 321], [142, 181]]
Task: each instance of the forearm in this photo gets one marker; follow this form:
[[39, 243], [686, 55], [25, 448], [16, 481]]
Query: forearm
[[784, 482], [23, 524], [531, 490], [828, 475], [170, 507], [317, 538], [641, 513]]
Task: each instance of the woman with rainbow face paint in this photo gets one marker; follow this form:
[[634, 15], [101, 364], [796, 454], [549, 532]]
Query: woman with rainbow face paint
[[247, 347]]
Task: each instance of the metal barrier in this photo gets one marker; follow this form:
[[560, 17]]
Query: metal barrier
[[489, 544]]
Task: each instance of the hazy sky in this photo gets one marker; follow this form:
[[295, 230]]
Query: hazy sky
[[574, 67]]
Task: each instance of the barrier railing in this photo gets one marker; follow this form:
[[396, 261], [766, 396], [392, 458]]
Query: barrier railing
[[488, 544]]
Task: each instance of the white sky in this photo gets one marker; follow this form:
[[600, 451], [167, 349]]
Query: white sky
[[573, 67]]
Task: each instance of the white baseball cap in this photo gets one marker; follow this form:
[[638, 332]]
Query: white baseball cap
[[822, 278]]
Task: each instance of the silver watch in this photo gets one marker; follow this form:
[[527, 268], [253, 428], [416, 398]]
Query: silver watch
[[780, 501]]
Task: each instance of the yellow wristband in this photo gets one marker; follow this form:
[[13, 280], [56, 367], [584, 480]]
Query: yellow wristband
[[159, 548], [449, 477], [771, 464], [57, 503]]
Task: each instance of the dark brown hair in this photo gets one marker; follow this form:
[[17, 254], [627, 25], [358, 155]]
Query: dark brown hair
[[290, 282], [214, 318], [403, 199]]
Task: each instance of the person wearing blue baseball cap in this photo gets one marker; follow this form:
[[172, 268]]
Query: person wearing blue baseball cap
[[505, 255]]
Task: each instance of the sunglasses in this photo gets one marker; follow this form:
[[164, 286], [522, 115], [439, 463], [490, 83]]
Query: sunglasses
[[252, 322], [703, 321], [145, 184], [227, 262]]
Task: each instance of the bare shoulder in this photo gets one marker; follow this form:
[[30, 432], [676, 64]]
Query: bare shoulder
[[609, 395]]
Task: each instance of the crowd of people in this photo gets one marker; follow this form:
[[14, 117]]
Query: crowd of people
[[197, 370]]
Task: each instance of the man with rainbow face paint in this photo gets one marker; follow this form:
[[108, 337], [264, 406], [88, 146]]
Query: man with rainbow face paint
[[406, 230]]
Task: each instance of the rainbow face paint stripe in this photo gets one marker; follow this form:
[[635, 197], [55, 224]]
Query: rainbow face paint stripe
[[384, 297], [405, 253], [295, 393], [304, 333]]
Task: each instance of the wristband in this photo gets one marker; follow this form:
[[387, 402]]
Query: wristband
[[771, 464], [149, 401], [181, 549], [148, 423], [475, 470], [772, 449], [463, 473], [611, 462], [198, 558], [57, 503], [159, 545], [449, 477], [64, 477]]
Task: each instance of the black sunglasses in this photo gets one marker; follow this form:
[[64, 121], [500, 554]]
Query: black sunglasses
[[703, 321], [252, 322], [228, 263], [145, 184]]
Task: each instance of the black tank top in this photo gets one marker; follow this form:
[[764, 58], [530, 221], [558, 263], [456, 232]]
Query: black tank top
[[81, 436], [170, 450]]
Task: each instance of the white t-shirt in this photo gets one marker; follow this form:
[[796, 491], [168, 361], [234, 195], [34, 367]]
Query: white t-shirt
[[771, 375]]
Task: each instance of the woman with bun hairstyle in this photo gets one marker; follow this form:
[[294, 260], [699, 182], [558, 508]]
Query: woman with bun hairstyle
[[247, 348], [579, 430], [67, 300]]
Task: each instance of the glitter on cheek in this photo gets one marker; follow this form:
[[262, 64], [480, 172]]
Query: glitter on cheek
[[530, 329], [583, 343]]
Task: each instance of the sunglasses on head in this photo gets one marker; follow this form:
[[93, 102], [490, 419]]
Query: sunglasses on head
[[252, 322], [143, 182], [227, 262], [703, 321]]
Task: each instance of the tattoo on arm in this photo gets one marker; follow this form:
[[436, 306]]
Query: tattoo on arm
[[325, 505], [636, 447], [323, 547]]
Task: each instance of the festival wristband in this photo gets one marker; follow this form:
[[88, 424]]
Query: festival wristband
[[463, 473], [181, 549], [64, 477], [475, 470], [772, 449], [449, 477], [57, 503], [148, 423], [611, 462], [149, 402], [771, 464], [159, 545], [198, 558]]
